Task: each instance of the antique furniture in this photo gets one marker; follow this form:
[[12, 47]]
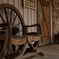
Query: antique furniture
[[10, 37]]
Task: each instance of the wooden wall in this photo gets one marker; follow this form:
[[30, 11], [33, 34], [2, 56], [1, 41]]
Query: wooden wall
[[29, 15]]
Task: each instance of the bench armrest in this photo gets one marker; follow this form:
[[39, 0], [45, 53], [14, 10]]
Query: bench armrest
[[32, 25], [37, 25]]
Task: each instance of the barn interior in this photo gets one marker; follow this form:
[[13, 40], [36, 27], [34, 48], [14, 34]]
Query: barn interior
[[29, 29]]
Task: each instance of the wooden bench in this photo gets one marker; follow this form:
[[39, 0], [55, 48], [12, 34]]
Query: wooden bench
[[9, 40]]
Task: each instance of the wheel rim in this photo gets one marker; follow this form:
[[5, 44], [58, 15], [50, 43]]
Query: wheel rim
[[11, 15], [15, 14]]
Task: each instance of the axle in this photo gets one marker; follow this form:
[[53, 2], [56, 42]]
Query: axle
[[14, 30]]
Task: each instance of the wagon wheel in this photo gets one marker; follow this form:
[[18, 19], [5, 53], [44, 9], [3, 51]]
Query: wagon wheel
[[11, 16]]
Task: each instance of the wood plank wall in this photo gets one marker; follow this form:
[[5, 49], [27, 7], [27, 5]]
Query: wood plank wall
[[29, 15]]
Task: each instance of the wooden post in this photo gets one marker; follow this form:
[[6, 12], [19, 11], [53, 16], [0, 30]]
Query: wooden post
[[38, 16]]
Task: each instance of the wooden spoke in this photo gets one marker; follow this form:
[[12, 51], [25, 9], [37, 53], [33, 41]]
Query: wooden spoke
[[11, 16], [17, 24], [6, 15], [14, 20], [2, 18]]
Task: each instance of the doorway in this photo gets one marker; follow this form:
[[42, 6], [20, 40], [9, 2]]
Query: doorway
[[45, 20]]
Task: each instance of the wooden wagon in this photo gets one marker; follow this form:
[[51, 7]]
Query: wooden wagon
[[10, 38]]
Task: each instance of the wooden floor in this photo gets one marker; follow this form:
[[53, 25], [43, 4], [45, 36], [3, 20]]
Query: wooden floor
[[50, 52]]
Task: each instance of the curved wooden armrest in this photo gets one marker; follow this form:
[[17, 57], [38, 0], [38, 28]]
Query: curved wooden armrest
[[3, 24], [32, 25], [37, 25]]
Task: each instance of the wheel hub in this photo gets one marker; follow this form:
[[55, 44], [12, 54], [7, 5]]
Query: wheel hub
[[14, 30]]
